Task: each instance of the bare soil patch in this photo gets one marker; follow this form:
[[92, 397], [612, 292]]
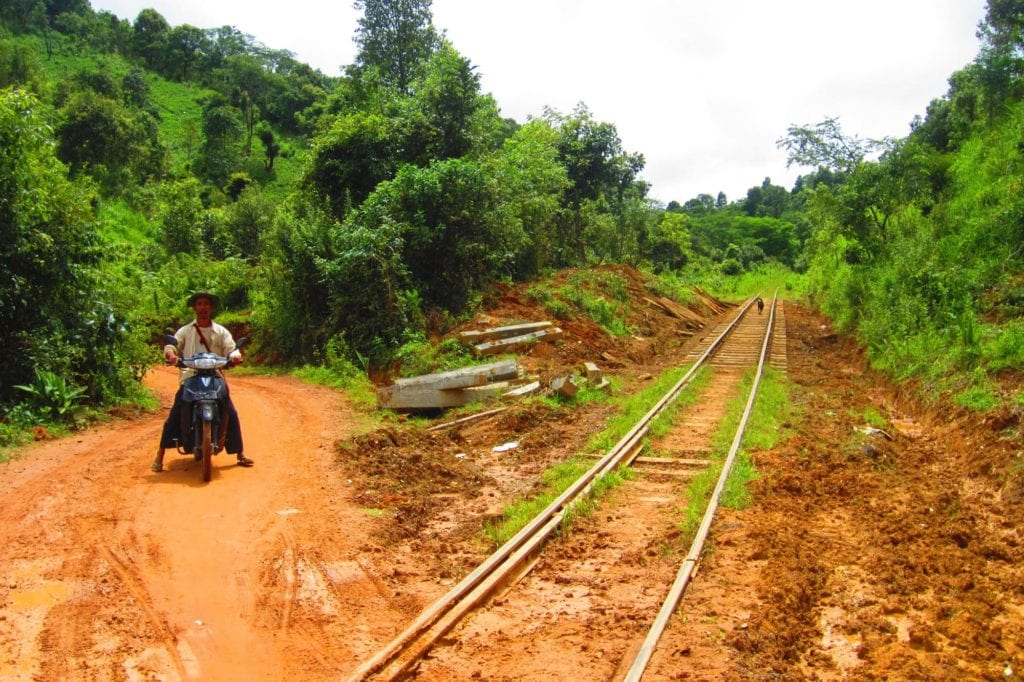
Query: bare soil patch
[[864, 557]]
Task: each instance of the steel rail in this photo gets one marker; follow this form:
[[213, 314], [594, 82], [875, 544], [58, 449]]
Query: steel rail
[[685, 573], [477, 585]]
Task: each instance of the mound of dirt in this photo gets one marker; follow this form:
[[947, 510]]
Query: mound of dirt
[[411, 473], [653, 331]]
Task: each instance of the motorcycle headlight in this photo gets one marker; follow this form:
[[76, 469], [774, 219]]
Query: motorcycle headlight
[[207, 363]]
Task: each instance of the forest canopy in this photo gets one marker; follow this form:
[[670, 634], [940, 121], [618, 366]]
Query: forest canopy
[[341, 217]]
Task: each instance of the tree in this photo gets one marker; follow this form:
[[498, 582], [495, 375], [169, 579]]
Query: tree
[[531, 180], [457, 234], [48, 253], [135, 89], [294, 318], [101, 136], [181, 218], [19, 66], [395, 37], [110, 33], [668, 245], [224, 42], [184, 49], [1003, 27], [348, 161], [150, 37], [766, 200], [222, 137], [271, 148], [702, 204], [248, 86], [22, 14], [823, 144], [447, 99], [247, 220], [596, 167]]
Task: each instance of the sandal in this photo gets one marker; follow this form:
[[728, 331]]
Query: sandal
[[156, 466], [244, 461]]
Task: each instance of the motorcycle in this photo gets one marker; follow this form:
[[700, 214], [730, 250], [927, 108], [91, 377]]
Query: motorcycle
[[204, 406]]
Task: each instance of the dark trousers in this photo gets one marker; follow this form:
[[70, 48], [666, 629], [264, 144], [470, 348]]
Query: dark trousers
[[172, 427]]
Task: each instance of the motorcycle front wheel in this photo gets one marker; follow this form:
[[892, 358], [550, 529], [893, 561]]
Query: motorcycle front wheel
[[207, 447]]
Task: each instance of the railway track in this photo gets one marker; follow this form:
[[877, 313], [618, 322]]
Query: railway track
[[731, 348]]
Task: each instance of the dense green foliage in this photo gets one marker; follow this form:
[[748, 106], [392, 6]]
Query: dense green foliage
[[344, 220], [54, 315], [921, 252]]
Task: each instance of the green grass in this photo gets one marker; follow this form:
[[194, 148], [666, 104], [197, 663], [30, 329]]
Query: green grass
[[12, 437], [1002, 347], [66, 63], [357, 387], [764, 279], [122, 225], [559, 477], [610, 283], [872, 417], [418, 356], [977, 398], [768, 424], [672, 285], [554, 482], [602, 296], [632, 408]]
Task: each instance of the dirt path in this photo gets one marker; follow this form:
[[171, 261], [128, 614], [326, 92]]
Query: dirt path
[[114, 572]]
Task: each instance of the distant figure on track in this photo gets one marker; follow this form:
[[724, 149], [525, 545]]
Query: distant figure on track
[[760, 305]]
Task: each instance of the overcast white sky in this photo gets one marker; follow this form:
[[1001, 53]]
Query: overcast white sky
[[702, 89]]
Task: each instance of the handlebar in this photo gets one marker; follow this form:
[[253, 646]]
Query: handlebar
[[204, 360]]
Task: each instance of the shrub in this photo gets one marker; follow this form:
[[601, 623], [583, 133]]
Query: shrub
[[52, 395]]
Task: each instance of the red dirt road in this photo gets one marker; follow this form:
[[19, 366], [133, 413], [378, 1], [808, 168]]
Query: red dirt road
[[113, 572]]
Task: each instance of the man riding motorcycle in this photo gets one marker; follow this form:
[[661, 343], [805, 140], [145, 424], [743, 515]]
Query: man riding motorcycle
[[202, 334]]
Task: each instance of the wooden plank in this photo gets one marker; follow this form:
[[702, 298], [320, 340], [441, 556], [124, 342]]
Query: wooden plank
[[660, 306], [675, 461], [611, 359], [525, 389], [503, 332], [675, 310], [710, 301], [472, 417], [464, 377], [432, 398], [510, 344], [680, 311]]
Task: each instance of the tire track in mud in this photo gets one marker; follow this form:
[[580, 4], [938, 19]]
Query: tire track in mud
[[185, 665]]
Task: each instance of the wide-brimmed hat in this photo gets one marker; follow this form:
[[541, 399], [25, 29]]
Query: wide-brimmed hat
[[212, 298]]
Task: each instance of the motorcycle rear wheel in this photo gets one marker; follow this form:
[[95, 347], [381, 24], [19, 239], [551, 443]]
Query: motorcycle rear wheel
[[207, 446]]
